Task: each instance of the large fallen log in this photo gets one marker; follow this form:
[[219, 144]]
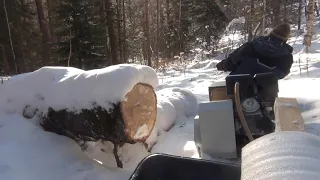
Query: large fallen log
[[116, 104], [129, 121]]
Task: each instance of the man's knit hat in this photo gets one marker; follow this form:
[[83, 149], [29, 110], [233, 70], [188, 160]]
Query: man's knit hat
[[282, 31]]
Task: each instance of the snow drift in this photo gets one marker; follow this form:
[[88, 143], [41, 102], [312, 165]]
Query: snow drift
[[174, 104], [28, 152], [207, 64]]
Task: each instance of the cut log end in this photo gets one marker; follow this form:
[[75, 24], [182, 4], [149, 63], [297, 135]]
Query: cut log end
[[139, 112]]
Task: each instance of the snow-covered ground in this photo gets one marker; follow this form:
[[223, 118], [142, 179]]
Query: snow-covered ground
[[28, 152], [36, 154]]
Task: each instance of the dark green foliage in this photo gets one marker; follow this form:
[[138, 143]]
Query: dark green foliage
[[80, 20], [208, 21], [82, 25]]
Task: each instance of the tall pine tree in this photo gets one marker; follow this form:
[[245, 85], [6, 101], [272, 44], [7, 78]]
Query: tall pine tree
[[82, 33]]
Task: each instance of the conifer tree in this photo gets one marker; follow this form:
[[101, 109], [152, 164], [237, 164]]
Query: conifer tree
[[82, 33]]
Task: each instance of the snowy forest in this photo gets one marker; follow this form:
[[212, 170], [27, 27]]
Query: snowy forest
[[89, 89], [99, 33]]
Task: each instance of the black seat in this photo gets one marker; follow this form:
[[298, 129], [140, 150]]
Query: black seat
[[167, 167]]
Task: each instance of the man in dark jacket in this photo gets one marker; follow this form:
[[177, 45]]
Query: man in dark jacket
[[263, 54]]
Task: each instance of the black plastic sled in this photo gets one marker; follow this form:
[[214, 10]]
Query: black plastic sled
[[167, 167]]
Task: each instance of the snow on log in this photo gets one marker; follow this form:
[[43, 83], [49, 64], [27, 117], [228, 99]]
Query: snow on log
[[116, 103], [73, 89], [282, 155]]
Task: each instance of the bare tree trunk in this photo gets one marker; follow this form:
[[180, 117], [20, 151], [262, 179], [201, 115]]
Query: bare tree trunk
[[222, 8], [42, 22], [180, 34], [316, 8], [124, 32], [264, 15], [310, 19], [147, 35], [70, 48], [309, 33], [20, 54], [49, 9], [168, 53], [111, 32], [167, 10], [276, 12], [43, 29], [255, 31], [6, 67], [250, 21], [10, 37], [285, 11], [157, 35], [119, 30], [299, 14], [106, 43]]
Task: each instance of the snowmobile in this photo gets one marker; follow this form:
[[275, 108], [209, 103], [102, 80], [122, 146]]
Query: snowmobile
[[240, 109]]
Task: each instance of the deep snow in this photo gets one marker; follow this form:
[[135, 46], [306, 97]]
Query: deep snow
[[74, 89], [28, 152]]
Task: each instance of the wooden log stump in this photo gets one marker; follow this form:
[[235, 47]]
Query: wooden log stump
[[129, 121]]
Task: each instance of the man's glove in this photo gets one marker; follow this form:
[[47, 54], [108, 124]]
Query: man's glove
[[226, 65], [220, 66]]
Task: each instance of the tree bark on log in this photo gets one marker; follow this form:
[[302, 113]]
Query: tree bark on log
[[130, 121]]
